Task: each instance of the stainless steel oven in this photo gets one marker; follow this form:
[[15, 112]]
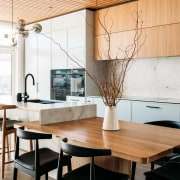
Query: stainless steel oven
[[65, 82]]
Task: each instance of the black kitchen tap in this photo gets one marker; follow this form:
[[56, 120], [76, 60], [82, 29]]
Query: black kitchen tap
[[26, 96]]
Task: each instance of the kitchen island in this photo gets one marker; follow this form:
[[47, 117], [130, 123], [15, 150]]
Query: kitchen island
[[48, 113]]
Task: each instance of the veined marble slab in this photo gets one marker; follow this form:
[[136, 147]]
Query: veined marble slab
[[57, 112], [48, 116]]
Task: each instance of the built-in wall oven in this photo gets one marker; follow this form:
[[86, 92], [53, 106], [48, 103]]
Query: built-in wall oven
[[66, 82]]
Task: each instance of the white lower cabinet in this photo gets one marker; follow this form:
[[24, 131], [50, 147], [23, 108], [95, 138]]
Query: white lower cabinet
[[152, 111], [75, 99], [123, 108]]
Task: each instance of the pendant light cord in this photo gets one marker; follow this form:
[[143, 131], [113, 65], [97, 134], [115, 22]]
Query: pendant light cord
[[12, 17]]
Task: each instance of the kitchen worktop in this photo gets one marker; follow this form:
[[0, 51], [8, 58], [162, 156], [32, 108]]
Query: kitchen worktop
[[149, 99], [51, 113]]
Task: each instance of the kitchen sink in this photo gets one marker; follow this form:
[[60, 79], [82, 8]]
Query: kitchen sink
[[42, 101]]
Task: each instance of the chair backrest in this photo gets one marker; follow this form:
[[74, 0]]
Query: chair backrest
[[165, 123], [79, 151], [21, 133], [82, 151]]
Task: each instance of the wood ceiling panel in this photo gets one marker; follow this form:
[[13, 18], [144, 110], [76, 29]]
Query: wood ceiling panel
[[36, 10]]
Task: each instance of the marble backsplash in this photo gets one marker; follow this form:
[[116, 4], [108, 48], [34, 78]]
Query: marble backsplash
[[153, 77]]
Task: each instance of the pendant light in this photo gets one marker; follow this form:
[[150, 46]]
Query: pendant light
[[21, 29], [13, 39]]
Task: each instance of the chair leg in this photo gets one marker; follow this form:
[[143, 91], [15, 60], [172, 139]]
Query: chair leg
[[15, 174], [69, 166], [152, 166], [133, 170], [37, 177], [3, 155], [7, 146], [46, 176]]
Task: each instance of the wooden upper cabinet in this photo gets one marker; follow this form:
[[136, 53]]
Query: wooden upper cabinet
[[115, 19], [116, 49], [159, 12], [119, 23], [160, 41]]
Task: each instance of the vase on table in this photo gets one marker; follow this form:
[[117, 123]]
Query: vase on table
[[110, 121]]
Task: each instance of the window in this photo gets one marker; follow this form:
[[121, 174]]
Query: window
[[5, 73]]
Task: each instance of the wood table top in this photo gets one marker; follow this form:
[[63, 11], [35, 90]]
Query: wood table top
[[137, 142], [7, 106]]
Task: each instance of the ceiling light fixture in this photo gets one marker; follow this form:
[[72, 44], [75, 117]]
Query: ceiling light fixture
[[36, 28], [20, 29]]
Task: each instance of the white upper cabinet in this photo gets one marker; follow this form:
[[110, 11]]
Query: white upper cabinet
[[43, 67], [63, 40], [31, 56], [38, 61], [59, 58], [69, 20], [69, 42]]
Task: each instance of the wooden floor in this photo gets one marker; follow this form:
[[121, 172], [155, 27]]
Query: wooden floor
[[21, 176]]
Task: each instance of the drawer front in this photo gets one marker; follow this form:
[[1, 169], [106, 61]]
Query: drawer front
[[75, 99], [124, 110], [152, 111]]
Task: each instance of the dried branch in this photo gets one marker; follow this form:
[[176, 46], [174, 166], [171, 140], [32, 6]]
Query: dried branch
[[111, 85]]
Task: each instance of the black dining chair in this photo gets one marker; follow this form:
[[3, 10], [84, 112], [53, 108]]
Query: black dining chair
[[88, 171], [169, 171], [175, 156], [36, 162]]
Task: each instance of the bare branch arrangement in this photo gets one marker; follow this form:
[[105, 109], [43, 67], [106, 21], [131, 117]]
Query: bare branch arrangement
[[111, 85], [110, 74]]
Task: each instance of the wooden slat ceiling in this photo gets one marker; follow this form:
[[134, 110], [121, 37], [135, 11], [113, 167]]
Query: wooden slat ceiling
[[37, 10]]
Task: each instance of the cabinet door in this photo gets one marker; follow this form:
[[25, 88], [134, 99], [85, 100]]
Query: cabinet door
[[31, 58], [75, 99], [152, 111], [115, 19], [100, 107], [59, 57], [160, 41], [124, 110], [115, 47], [119, 22], [76, 47], [159, 12], [44, 66]]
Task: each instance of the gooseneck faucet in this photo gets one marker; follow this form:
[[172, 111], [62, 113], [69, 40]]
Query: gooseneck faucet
[[26, 96]]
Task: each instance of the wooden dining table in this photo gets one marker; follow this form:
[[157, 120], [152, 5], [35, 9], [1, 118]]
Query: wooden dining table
[[134, 142]]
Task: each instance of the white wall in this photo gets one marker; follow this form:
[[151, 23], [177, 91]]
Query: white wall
[[154, 77]]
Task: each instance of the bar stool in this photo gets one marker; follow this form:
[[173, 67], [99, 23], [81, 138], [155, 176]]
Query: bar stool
[[6, 129]]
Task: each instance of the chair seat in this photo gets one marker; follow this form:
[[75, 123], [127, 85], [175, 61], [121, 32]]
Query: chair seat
[[83, 173], [164, 160], [170, 171], [9, 124], [48, 159]]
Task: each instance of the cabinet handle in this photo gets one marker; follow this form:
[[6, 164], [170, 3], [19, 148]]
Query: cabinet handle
[[74, 99], [156, 107], [37, 88]]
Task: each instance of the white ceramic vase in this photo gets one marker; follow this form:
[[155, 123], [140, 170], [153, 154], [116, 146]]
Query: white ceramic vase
[[110, 119]]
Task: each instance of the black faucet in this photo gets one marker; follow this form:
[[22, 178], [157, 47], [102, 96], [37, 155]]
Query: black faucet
[[26, 96]]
